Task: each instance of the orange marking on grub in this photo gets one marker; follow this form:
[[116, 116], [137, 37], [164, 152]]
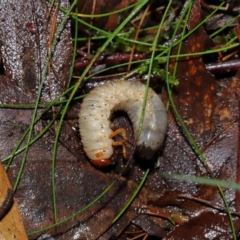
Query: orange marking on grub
[[99, 154]]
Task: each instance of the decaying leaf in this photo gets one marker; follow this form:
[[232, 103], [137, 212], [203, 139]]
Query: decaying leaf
[[110, 22], [209, 109]]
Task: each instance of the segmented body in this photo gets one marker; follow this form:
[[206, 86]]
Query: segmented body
[[102, 101]]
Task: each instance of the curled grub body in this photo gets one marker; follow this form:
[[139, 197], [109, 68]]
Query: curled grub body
[[102, 101]]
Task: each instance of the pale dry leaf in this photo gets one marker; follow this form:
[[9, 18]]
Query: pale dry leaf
[[11, 225]]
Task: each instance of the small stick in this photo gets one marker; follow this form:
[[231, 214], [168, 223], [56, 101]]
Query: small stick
[[237, 194], [7, 204]]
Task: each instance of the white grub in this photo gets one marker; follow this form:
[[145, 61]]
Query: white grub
[[128, 96]]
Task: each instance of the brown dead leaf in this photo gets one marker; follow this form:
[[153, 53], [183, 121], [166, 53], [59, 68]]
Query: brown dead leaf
[[101, 7], [205, 226], [78, 183], [25, 37]]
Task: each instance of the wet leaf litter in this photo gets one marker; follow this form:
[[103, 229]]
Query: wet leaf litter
[[208, 108]]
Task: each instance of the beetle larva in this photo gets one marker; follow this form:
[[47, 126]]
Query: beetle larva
[[102, 101]]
